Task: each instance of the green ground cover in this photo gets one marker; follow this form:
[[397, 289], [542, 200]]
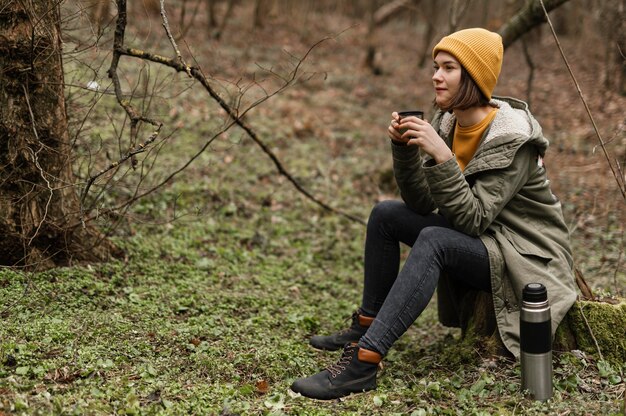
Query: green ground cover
[[229, 270], [211, 314]]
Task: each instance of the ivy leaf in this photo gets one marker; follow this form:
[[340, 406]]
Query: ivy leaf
[[22, 370], [604, 369], [276, 402]]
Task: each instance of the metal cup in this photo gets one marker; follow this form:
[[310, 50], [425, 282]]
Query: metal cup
[[409, 113]]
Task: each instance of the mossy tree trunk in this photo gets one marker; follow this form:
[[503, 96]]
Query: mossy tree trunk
[[39, 207], [596, 327]]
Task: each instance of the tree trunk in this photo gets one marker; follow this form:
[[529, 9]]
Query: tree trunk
[[39, 208], [457, 11], [528, 17], [100, 14], [370, 45], [377, 17], [387, 11], [612, 15], [210, 14], [477, 319], [596, 327], [431, 13], [225, 19], [261, 11]]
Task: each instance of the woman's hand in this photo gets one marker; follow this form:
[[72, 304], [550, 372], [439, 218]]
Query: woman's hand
[[392, 130], [420, 133]]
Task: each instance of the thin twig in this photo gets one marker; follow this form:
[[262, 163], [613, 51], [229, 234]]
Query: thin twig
[[582, 285], [41, 171], [595, 127], [185, 28], [118, 42], [196, 73], [590, 331], [619, 262], [531, 70], [138, 149], [619, 169], [237, 117], [166, 26], [135, 118]]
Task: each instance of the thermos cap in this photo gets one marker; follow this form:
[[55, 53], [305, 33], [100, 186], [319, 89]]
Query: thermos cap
[[534, 292]]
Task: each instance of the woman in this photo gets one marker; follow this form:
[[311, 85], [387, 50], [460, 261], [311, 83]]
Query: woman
[[476, 205]]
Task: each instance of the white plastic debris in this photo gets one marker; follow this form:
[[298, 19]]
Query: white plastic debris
[[93, 85]]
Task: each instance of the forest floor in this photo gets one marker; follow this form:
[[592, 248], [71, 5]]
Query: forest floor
[[229, 270]]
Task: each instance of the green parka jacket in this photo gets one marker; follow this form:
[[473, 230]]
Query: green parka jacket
[[503, 197]]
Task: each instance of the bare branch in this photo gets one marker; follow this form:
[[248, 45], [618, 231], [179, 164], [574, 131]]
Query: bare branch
[[118, 43], [621, 173], [233, 112], [237, 116], [595, 341], [166, 26], [583, 286], [41, 171], [595, 127], [138, 149], [619, 262], [171, 176], [528, 17], [531, 70], [186, 27], [387, 11], [456, 11], [135, 117]]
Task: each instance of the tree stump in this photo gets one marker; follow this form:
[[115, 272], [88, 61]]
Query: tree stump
[[477, 319], [597, 327]]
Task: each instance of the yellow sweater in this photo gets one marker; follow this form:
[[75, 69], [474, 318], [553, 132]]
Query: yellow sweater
[[466, 139]]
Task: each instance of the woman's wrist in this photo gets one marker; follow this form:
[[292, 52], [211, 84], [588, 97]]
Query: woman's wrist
[[443, 157]]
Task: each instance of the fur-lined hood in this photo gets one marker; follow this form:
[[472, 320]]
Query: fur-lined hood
[[512, 126]]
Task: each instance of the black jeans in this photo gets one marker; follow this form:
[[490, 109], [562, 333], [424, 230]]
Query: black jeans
[[396, 297]]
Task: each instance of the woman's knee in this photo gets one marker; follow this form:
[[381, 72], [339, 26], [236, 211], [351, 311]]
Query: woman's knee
[[441, 240], [385, 211], [433, 237], [432, 233]]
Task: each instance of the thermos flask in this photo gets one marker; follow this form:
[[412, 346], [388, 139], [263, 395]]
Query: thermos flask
[[536, 342]]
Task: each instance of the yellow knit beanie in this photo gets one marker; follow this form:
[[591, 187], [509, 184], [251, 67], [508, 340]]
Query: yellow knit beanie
[[479, 51]]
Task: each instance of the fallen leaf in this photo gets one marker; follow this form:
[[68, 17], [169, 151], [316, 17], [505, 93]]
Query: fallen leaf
[[262, 386]]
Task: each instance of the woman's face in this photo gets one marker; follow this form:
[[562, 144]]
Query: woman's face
[[447, 77]]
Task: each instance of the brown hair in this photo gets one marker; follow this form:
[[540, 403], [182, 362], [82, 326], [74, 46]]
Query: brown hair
[[469, 95]]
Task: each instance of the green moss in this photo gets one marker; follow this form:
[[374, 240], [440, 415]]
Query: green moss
[[608, 325]]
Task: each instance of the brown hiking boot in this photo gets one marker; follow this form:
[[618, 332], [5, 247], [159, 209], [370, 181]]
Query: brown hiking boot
[[338, 340]]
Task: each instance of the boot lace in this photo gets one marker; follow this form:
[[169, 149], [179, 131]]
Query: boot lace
[[344, 361]]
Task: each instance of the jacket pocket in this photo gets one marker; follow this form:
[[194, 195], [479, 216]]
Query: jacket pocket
[[525, 247]]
